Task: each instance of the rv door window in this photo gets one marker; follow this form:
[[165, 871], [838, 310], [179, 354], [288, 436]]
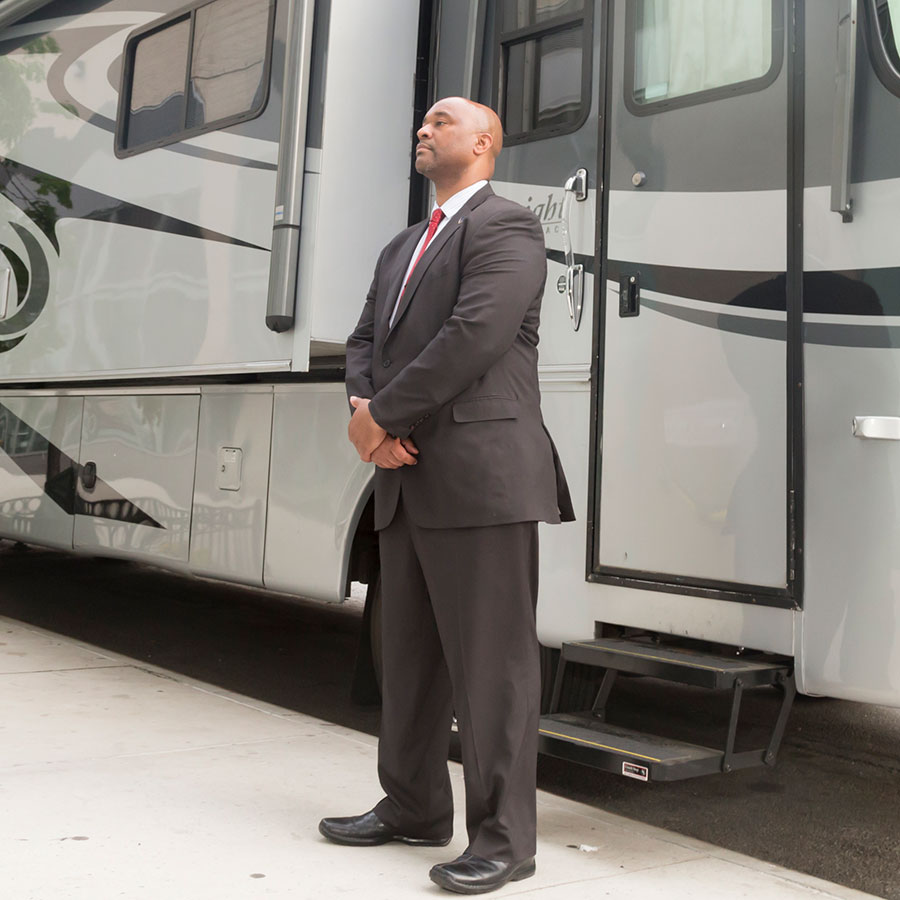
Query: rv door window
[[543, 82], [689, 51], [220, 49], [535, 69], [884, 16]]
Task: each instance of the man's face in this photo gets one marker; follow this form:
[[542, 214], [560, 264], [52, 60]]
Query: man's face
[[446, 140]]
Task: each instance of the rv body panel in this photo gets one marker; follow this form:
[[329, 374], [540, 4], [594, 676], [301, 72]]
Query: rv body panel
[[178, 236], [356, 184], [317, 489], [849, 645]]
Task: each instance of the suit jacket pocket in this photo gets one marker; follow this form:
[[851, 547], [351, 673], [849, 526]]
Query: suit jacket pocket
[[484, 409]]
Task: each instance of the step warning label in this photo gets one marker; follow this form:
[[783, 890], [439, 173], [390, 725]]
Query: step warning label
[[633, 770]]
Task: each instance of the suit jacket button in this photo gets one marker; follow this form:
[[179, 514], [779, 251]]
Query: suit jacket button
[[386, 363]]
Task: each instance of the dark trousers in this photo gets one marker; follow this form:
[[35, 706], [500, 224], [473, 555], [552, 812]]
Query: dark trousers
[[459, 635]]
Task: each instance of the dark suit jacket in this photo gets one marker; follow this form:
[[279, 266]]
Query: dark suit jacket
[[457, 371]]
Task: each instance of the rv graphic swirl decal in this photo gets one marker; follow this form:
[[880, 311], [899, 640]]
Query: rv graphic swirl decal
[[35, 289]]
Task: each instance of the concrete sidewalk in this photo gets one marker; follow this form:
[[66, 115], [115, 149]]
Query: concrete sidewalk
[[121, 780]]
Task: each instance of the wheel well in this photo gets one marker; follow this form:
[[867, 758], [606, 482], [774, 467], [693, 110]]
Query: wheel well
[[363, 563], [364, 566]]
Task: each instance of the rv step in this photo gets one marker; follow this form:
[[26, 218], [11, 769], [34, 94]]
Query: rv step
[[586, 736], [623, 751], [674, 664]]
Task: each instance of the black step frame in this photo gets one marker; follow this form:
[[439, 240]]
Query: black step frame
[[676, 665]]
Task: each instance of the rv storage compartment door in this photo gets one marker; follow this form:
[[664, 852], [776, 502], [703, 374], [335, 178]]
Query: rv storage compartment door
[[134, 492], [39, 439], [228, 525]]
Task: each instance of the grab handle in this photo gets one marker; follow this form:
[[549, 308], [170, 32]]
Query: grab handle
[[576, 187]]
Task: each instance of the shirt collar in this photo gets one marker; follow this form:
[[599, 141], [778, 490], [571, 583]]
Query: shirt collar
[[454, 204]]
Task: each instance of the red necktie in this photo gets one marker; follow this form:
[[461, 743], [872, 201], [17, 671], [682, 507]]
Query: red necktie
[[435, 220]]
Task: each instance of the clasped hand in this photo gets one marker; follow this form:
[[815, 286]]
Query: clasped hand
[[374, 444]]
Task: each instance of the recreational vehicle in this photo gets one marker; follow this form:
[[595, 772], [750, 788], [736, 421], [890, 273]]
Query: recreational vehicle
[[193, 198]]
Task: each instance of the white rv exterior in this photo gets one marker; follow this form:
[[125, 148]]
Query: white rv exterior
[[720, 194]]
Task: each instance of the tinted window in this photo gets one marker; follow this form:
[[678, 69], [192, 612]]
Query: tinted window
[[544, 81], [535, 68], [228, 62], [157, 95], [686, 47], [220, 50]]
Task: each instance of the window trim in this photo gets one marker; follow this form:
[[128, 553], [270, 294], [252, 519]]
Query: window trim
[[504, 39], [888, 74], [126, 82], [749, 86]]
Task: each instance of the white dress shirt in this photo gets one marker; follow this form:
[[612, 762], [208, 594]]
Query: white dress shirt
[[450, 208]]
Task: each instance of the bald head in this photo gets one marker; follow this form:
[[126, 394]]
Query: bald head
[[488, 123], [459, 142]]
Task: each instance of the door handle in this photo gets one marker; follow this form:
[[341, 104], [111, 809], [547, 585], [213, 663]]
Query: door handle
[[630, 295], [89, 476], [884, 428], [576, 187]]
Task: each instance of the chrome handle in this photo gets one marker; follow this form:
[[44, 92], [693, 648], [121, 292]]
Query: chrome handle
[[576, 187], [884, 428], [844, 97]]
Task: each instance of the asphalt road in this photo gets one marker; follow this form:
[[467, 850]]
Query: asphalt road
[[831, 807]]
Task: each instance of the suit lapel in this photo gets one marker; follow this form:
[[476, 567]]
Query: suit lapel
[[395, 280], [432, 251]]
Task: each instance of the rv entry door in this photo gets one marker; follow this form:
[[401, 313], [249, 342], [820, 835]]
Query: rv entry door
[[691, 454]]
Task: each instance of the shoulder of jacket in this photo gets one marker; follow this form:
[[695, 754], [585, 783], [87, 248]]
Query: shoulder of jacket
[[495, 207]]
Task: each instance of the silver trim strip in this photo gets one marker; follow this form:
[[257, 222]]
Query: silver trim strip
[[281, 365]]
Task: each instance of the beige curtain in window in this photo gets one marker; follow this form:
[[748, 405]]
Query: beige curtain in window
[[686, 46]]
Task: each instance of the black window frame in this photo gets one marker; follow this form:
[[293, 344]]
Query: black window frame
[[501, 42], [748, 86], [127, 81], [885, 68]]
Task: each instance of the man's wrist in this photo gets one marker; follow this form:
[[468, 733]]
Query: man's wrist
[[400, 431]]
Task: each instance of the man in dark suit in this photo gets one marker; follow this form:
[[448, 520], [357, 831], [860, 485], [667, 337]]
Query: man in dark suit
[[442, 375]]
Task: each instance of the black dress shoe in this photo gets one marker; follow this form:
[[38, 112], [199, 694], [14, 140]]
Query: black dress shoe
[[469, 874], [368, 830]]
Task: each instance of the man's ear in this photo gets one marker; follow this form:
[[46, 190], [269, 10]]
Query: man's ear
[[483, 143]]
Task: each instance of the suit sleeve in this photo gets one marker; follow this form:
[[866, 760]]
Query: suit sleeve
[[358, 379], [504, 269]]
